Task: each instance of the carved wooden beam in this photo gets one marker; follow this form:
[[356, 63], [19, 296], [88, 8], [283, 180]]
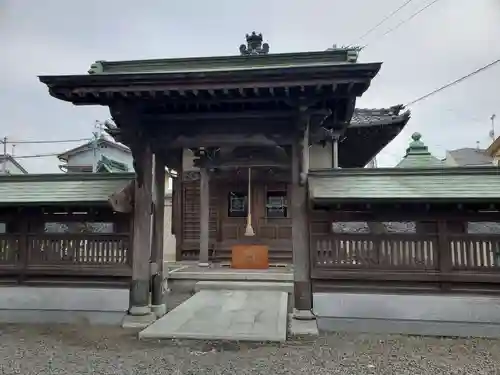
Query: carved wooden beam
[[218, 116], [123, 200], [227, 140]]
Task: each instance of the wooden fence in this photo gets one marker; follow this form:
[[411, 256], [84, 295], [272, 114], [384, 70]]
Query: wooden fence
[[84, 257], [442, 262]]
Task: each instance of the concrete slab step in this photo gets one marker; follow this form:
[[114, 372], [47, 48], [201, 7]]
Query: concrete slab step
[[225, 315], [286, 287]]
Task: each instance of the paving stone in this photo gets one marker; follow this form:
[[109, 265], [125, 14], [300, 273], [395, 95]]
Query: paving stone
[[225, 315]]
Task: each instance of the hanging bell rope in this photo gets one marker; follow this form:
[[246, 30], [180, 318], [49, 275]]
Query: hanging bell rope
[[249, 232]]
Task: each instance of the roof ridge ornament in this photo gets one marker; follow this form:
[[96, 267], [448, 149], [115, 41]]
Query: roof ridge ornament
[[416, 145], [418, 155], [254, 45]]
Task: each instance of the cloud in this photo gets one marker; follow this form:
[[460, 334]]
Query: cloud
[[443, 43]]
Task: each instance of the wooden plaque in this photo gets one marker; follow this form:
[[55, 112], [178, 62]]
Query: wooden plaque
[[250, 257]]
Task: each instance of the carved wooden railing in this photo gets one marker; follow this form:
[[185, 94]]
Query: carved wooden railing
[[389, 251], [464, 252], [88, 249], [475, 252], [90, 253], [9, 249]]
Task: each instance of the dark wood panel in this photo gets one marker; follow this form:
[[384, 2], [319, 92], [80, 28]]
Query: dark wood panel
[[226, 231]]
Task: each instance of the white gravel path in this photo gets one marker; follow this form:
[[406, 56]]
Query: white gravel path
[[30, 350]]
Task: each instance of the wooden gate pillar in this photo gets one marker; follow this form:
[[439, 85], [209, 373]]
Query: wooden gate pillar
[[157, 251], [300, 225], [141, 244], [204, 216]]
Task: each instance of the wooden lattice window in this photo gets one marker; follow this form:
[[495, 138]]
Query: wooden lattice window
[[237, 204], [276, 204]]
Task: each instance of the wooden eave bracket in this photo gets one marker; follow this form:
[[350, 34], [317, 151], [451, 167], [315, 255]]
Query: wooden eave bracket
[[123, 200]]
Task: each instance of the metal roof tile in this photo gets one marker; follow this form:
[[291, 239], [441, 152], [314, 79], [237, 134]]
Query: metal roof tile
[[60, 189], [401, 186]]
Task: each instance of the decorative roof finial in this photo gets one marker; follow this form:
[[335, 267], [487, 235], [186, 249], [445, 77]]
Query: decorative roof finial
[[417, 146], [416, 136], [254, 45], [418, 155]]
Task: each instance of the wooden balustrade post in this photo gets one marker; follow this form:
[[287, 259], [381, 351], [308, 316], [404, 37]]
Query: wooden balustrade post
[[444, 253], [23, 245]]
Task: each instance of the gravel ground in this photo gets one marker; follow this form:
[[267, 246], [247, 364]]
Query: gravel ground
[[104, 350], [64, 349]]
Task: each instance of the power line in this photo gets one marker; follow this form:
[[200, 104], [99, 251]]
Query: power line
[[34, 156], [453, 83], [404, 21], [49, 141], [394, 12]]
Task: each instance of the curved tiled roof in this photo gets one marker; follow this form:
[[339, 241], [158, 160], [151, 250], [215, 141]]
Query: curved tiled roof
[[378, 116], [369, 131]]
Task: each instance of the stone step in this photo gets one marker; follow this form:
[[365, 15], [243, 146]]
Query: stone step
[[245, 285]]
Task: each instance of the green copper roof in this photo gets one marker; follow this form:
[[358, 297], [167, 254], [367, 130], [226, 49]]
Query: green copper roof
[[418, 155], [61, 188], [389, 184], [252, 55], [111, 166]]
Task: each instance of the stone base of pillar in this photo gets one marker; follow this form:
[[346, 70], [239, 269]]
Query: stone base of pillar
[[303, 315], [204, 264], [139, 310], [138, 321], [303, 328], [159, 310]]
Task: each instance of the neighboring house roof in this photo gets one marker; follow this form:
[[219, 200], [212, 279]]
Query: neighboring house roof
[[404, 184], [464, 157], [111, 166], [61, 188], [13, 161], [368, 133], [494, 147], [418, 155], [89, 147]]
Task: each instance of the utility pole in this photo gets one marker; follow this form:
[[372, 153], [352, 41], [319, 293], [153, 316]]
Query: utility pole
[[99, 126], [4, 161], [94, 149], [492, 132]]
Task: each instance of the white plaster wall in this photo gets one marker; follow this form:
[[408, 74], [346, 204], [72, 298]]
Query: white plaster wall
[[87, 157], [169, 242], [320, 157], [187, 161]]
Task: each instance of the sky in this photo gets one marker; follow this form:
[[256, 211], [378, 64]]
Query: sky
[[448, 40]]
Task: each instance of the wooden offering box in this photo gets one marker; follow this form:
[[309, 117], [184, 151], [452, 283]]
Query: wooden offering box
[[250, 256]]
